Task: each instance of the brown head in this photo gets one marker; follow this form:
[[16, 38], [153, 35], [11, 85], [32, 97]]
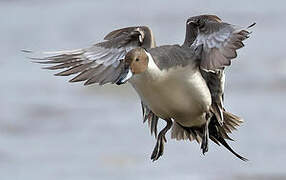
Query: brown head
[[195, 23], [135, 62]]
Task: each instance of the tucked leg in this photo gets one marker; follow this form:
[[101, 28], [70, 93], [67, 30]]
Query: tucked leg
[[161, 139], [205, 139]]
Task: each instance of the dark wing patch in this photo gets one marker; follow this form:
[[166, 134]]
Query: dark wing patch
[[215, 81], [151, 117], [220, 42], [101, 63]]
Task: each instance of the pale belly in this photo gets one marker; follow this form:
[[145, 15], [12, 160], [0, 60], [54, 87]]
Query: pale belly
[[180, 94]]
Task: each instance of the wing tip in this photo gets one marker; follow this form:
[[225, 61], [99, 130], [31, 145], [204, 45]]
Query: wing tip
[[73, 80], [250, 26], [62, 73], [87, 83], [26, 51]]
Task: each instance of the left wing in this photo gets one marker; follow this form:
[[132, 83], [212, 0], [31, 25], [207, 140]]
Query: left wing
[[220, 42]]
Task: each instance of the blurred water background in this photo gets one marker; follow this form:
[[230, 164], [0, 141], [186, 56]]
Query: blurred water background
[[51, 129]]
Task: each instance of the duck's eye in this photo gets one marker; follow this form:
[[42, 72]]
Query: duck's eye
[[137, 59]]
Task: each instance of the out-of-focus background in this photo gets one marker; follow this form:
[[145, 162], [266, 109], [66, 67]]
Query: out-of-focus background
[[51, 129]]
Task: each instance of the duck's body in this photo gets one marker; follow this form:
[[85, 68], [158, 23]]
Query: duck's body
[[179, 92]]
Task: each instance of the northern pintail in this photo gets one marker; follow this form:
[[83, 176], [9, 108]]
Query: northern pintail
[[181, 84]]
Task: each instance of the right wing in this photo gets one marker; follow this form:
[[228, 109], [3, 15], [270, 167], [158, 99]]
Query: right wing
[[151, 117], [103, 62]]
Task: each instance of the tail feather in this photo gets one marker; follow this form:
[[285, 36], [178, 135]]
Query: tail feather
[[224, 133], [217, 133], [180, 132], [216, 136], [231, 122], [224, 143]]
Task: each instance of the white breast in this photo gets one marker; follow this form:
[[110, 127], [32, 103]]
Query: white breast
[[179, 93]]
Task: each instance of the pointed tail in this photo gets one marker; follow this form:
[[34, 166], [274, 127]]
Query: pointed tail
[[218, 137]]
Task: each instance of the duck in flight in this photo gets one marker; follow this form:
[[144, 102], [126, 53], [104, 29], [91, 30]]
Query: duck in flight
[[180, 84]]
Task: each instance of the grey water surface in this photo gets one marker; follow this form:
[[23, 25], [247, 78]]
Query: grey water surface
[[51, 129]]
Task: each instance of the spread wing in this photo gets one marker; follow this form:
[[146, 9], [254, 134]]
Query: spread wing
[[220, 42], [103, 62]]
